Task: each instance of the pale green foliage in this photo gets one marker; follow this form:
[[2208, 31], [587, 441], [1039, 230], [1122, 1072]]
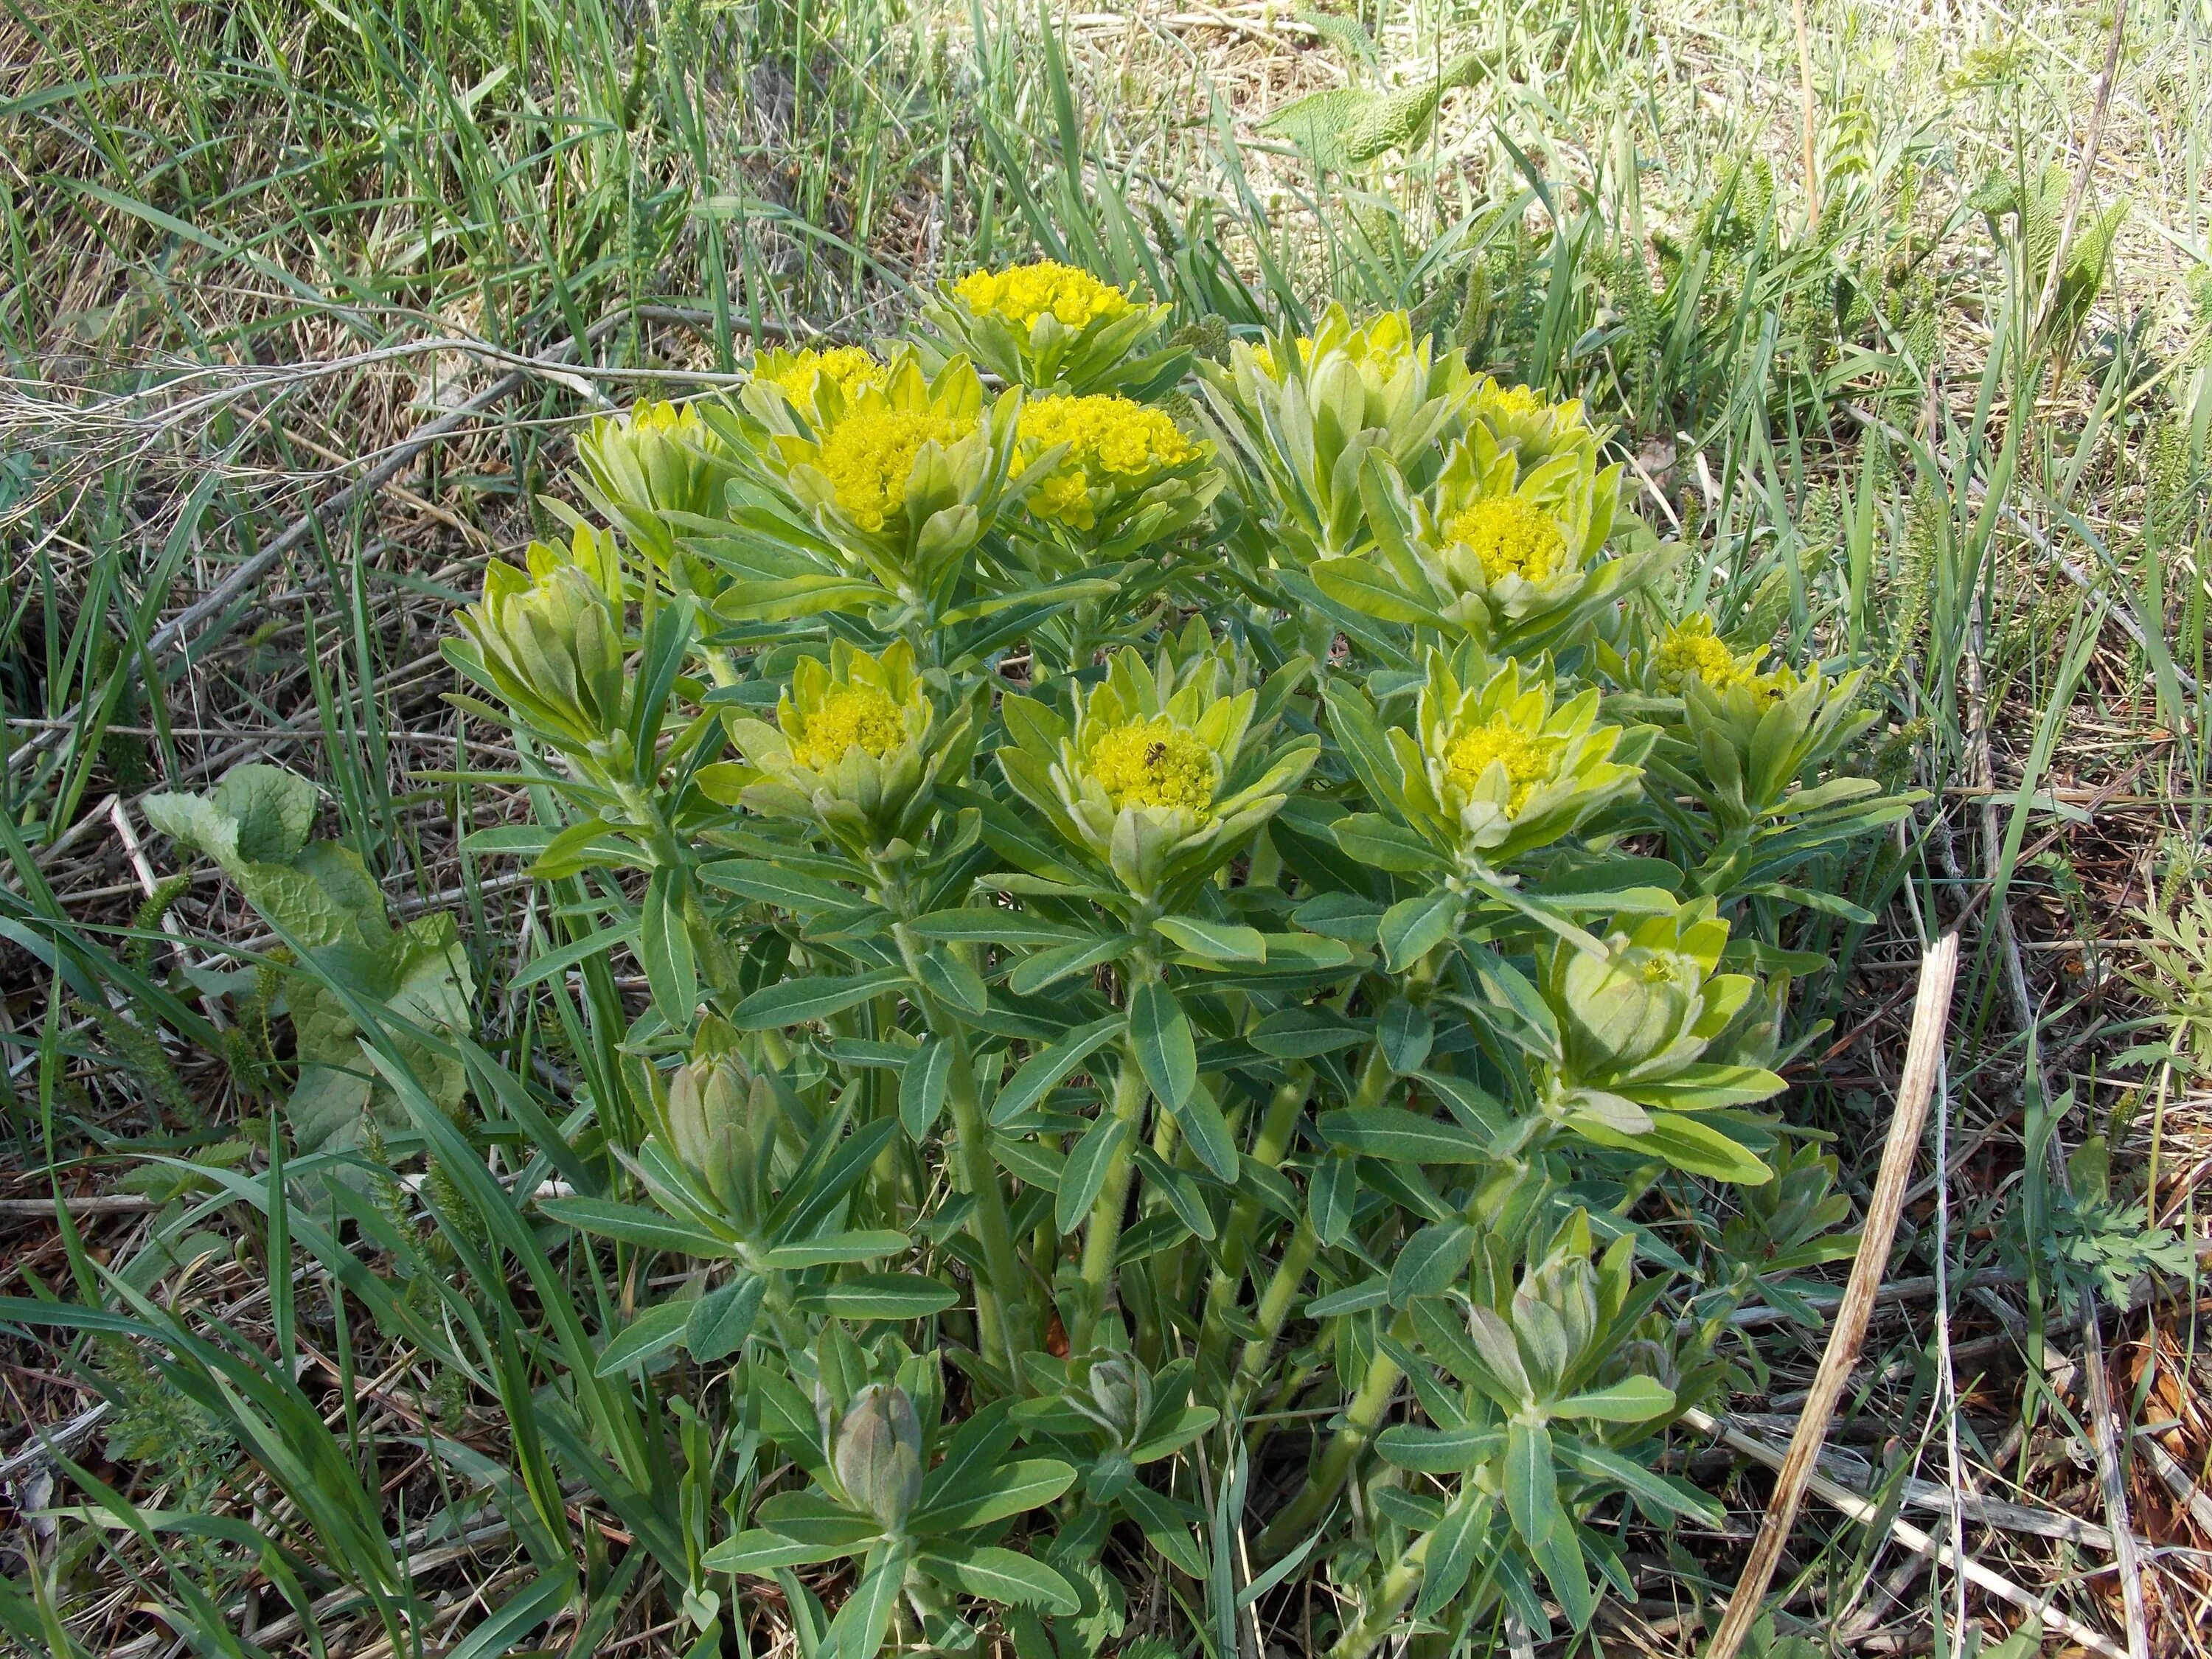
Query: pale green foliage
[[321, 901]]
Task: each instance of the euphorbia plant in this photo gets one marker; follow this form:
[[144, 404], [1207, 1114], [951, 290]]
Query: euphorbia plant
[[1193, 948]]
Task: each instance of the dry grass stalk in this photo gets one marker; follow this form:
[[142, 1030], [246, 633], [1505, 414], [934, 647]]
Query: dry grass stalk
[[1931, 1015]]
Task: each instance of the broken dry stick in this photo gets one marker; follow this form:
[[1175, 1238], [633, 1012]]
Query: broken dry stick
[[1931, 1012]]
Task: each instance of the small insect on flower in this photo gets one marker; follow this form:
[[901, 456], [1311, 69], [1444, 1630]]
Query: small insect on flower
[[1155, 763]]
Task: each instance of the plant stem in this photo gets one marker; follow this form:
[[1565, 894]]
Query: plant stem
[[1398, 1587], [1267, 1148], [1329, 1474], [997, 1334], [1275, 1306], [1103, 1236]]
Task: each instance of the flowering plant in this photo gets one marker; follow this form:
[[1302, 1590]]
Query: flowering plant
[[1179, 918]]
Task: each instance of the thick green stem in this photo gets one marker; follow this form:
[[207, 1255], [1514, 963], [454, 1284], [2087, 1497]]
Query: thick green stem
[[1274, 1307], [1005, 1337], [1398, 1587], [1328, 1476], [1104, 1237], [1276, 1127], [1003, 1326]]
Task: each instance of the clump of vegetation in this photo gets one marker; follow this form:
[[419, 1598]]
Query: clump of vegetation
[[1196, 998]]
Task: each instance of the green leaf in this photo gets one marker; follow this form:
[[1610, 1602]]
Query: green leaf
[[952, 981], [665, 947], [757, 879], [1659, 1494], [1207, 1132], [1084, 1174], [1171, 1433], [722, 1319], [1033, 973], [1439, 1451], [1452, 1551], [797, 1001], [1217, 941], [1431, 1260], [999, 1575], [1632, 1399], [1687, 1143], [1164, 1529], [654, 1331], [1042, 1072], [1413, 927], [881, 1295], [1301, 1033], [1359, 584], [831, 1249], [760, 1551], [1404, 1035], [633, 1226], [995, 925], [859, 1630], [1532, 1498], [1165, 1050], [1391, 1132], [1704, 1087], [1010, 1489], [923, 1088], [1375, 840]]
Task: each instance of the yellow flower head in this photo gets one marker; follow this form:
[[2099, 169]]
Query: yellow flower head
[[869, 455], [848, 717], [1521, 400], [1154, 763], [1113, 434], [1509, 535], [1026, 292], [1530, 759], [851, 366], [1691, 651], [1110, 437]]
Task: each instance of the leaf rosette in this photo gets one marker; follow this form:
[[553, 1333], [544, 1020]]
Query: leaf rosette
[[548, 642], [1512, 557], [1638, 1026], [1303, 414], [1165, 766], [858, 746], [1492, 770], [1051, 325]]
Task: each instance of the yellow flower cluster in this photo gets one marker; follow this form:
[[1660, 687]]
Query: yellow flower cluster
[[1047, 288], [1114, 434], [1690, 651], [1108, 435], [848, 717], [1521, 400], [1154, 763], [869, 455], [1509, 535], [1529, 760], [851, 366]]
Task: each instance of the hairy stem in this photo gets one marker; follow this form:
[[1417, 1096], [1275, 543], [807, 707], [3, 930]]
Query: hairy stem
[[1103, 1236], [1329, 1474]]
